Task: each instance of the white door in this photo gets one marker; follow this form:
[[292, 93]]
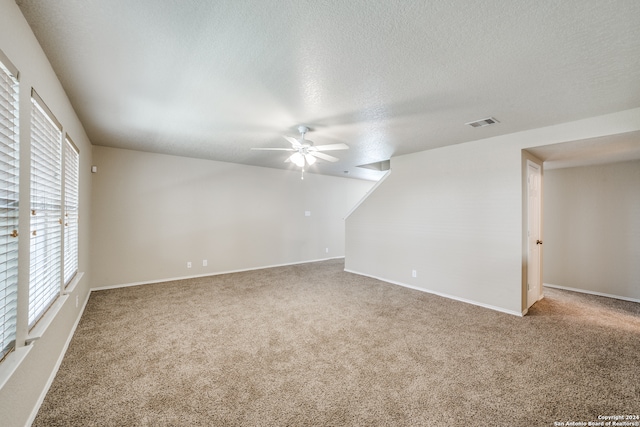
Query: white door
[[534, 279]]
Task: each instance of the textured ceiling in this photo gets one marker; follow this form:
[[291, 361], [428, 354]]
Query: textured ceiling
[[211, 79]]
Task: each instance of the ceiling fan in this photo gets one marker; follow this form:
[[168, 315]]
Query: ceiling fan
[[304, 152]]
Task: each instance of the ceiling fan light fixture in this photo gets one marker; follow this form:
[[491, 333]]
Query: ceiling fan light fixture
[[310, 159], [297, 159]]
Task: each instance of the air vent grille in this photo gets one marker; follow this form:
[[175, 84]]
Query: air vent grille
[[483, 122]]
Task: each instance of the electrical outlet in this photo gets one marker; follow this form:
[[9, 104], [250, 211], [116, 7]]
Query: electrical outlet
[[188, 264], [204, 262], [326, 250], [414, 273]]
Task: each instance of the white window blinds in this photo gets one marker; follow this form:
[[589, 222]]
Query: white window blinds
[[9, 179], [71, 180], [46, 215]]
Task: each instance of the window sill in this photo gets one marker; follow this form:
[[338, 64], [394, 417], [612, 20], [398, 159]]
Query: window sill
[[39, 329], [12, 362], [73, 283], [17, 356]]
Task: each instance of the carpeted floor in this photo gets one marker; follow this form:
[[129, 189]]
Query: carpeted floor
[[311, 345]]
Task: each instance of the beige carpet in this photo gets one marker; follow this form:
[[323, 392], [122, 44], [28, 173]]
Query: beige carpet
[[311, 345]]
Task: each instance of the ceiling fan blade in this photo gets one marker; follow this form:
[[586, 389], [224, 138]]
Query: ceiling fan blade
[[330, 147], [324, 156], [294, 142], [273, 149], [310, 159]]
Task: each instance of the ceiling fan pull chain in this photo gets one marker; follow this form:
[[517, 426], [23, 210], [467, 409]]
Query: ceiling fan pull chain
[[302, 174]]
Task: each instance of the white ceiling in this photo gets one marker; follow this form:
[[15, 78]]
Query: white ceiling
[[211, 79]]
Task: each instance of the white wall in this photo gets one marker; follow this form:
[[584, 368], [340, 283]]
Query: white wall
[[455, 214], [24, 385], [153, 213], [592, 228]]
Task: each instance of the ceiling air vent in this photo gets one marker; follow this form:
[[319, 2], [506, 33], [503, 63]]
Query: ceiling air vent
[[484, 122]]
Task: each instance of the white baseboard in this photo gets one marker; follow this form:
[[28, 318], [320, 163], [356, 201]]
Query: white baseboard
[[440, 294], [584, 291], [52, 376], [216, 273]]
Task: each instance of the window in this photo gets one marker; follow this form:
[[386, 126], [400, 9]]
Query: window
[[46, 210], [9, 182], [52, 229], [71, 179]]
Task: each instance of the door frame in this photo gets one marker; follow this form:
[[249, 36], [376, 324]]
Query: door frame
[[528, 159]]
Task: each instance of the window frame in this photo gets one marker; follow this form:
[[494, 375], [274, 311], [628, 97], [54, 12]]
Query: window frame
[[71, 206], [10, 178], [46, 237]]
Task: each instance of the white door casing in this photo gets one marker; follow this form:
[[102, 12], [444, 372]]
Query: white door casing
[[534, 236]]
